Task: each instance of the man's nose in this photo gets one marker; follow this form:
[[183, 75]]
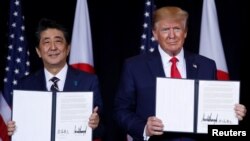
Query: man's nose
[[171, 33]]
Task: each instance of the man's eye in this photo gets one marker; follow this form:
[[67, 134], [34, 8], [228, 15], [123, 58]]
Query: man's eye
[[46, 42], [177, 29], [59, 41], [165, 30]]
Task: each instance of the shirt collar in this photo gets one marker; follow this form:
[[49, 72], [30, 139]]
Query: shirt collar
[[61, 75], [166, 57]]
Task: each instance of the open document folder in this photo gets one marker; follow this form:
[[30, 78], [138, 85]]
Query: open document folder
[[186, 105], [47, 116]]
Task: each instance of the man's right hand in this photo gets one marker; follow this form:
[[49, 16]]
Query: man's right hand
[[154, 126]]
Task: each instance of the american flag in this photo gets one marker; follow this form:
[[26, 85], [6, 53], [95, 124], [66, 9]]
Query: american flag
[[17, 64], [148, 43]]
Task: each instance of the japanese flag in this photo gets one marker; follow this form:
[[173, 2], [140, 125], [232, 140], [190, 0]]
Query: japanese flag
[[81, 54], [210, 40]]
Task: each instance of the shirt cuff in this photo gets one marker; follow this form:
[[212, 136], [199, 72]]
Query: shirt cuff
[[145, 137]]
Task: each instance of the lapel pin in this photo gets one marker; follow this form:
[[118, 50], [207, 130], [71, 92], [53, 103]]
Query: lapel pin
[[75, 83], [195, 66]]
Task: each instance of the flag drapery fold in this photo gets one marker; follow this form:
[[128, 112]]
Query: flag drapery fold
[[210, 39], [81, 54]]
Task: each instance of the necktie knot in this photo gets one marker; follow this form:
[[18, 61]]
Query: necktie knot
[[174, 60], [54, 86], [174, 70], [54, 79]]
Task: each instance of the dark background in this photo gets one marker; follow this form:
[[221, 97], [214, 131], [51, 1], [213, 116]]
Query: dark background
[[116, 30]]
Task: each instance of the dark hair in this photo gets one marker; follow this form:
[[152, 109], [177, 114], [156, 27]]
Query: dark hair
[[45, 24]]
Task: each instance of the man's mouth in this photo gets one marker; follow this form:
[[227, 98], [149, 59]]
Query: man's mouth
[[53, 54]]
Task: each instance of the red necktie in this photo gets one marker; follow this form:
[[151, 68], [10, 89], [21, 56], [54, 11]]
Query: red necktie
[[174, 70]]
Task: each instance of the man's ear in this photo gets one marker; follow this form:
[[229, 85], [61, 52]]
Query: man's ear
[[68, 50], [155, 35], [38, 52]]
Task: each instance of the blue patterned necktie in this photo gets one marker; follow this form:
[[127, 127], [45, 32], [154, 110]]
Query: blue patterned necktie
[[54, 86]]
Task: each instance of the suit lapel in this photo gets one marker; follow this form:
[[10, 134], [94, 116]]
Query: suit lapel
[[155, 64], [40, 79], [191, 65], [68, 80], [71, 80]]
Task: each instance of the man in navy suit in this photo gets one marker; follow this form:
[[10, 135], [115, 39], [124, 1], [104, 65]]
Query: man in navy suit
[[53, 48], [135, 100]]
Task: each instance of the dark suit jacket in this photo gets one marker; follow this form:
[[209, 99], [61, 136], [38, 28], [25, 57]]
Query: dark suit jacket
[[76, 80], [135, 100]]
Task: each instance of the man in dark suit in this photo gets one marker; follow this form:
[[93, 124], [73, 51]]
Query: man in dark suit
[[53, 48], [135, 100]]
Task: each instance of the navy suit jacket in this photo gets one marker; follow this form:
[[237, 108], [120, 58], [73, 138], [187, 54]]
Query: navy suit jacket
[[135, 100], [76, 80]]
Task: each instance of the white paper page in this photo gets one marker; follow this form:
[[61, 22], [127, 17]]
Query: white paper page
[[72, 116], [32, 114], [216, 103], [175, 104]]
